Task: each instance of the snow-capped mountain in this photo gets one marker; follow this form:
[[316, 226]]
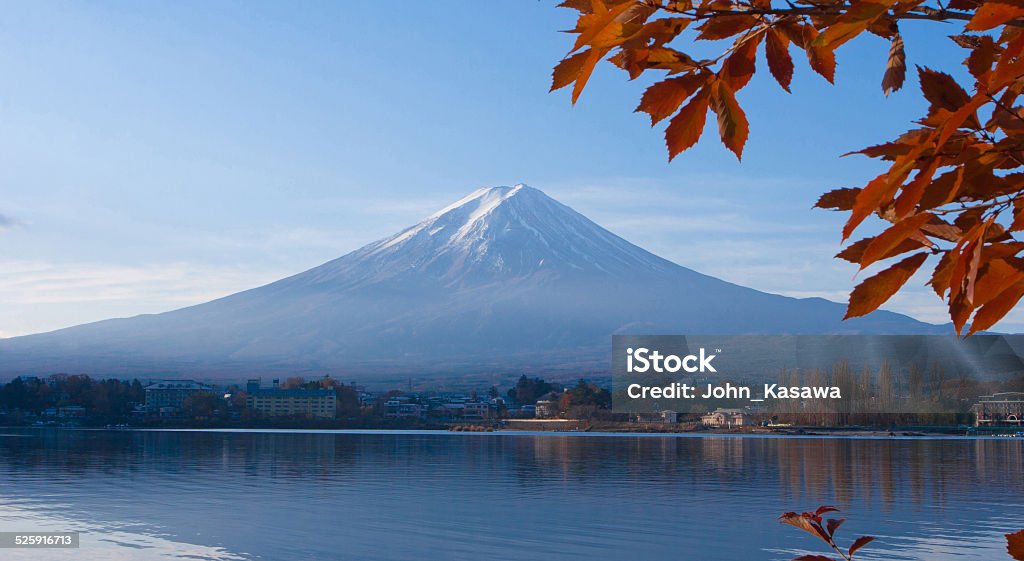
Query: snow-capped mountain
[[494, 234], [504, 278]]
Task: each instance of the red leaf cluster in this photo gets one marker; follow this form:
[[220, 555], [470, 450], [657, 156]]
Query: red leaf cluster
[[954, 187]]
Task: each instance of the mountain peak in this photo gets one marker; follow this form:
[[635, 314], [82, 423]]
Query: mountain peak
[[486, 199], [491, 234]]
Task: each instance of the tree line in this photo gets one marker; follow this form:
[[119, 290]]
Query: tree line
[[111, 400], [108, 400]]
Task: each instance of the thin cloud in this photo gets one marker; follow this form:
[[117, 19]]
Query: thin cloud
[[38, 296], [7, 223], [170, 284]]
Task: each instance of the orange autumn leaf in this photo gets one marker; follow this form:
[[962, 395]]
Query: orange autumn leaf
[[664, 98], [966, 114], [567, 71], [779, 62], [896, 67], [732, 122], [884, 243], [726, 26], [873, 195], [1018, 215], [982, 57], [583, 6], [738, 68], [855, 251], [601, 27], [994, 13], [942, 274], [685, 129], [876, 290], [856, 19], [839, 199], [941, 90], [587, 68], [959, 312], [658, 32], [996, 309], [914, 191], [996, 276], [637, 61], [823, 61], [821, 58]]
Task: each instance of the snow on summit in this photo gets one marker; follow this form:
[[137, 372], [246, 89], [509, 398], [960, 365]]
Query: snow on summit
[[515, 230]]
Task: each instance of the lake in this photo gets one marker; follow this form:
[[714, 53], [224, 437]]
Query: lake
[[377, 495]]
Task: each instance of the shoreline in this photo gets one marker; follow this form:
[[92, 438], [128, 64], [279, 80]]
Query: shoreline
[[837, 435]]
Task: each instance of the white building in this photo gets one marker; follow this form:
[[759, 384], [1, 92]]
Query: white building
[[1006, 408], [725, 418], [545, 409]]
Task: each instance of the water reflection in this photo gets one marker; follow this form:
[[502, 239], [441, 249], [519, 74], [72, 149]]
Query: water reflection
[[222, 495]]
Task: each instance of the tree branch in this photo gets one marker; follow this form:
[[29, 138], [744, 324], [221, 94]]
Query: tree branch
[[920, 13]]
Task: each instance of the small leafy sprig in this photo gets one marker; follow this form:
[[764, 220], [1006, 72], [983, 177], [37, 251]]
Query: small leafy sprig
[[825, 529], [814, 524]]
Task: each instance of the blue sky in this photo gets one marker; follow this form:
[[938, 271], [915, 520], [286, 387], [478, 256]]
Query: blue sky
[[155, 155]]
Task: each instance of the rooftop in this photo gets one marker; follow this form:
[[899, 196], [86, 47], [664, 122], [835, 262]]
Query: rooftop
[[177, 385], [278, 392]]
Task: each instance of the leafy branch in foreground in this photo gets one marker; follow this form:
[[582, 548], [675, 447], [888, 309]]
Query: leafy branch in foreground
[[814, 524], [954, 187]]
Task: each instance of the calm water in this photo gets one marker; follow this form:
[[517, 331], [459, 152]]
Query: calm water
[[422, 496]]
